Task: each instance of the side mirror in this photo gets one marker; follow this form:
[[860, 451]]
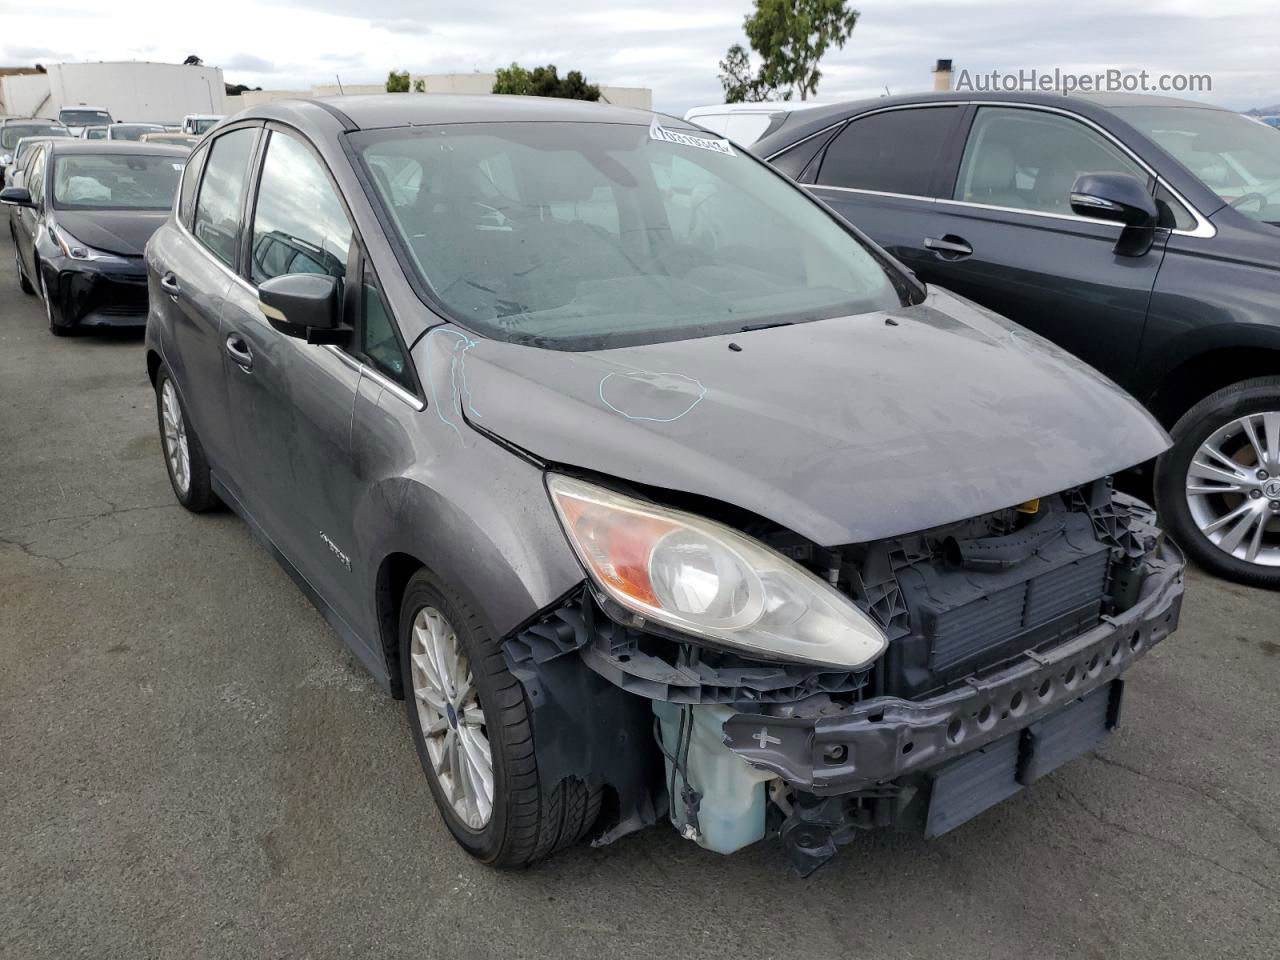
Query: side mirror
[[16, 197], [1119, 198], [303, 305]]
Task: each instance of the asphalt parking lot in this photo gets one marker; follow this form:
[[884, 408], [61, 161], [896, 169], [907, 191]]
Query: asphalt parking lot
[[192, 765]]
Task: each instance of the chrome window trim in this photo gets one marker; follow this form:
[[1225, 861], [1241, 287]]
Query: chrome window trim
[[1204, 228], [397, 391], [355, 363]]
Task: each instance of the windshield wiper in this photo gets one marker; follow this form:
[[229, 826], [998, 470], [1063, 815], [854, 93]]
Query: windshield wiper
[[766, 326]]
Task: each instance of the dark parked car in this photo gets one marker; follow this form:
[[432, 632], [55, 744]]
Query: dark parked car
[[1141, 233], [80, 222], [579, 426], [13, 129]]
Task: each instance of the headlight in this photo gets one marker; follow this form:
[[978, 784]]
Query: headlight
[[709, 580], [76, 250]]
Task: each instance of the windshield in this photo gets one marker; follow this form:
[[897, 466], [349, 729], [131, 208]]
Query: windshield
[[202, 124], [587, 235], [1237, 158], [83, 118], [94, 181], [95, 133], [13, 132]]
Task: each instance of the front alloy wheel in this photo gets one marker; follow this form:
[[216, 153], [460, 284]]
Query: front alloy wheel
[[451, 718], [1233, 488], [1218, 488], [473, 731]]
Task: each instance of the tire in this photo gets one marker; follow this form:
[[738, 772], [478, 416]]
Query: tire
[[522, 826], [54, 328], [23, 282], [1246, 492], [190, 479]]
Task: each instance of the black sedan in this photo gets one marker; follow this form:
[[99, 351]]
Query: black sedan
[[80, 223], [1141, 233]]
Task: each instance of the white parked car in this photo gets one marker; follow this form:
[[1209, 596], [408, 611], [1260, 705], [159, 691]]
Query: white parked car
[[745, 123], [78, 117]]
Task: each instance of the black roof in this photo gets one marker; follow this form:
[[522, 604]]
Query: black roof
[[376, 111], [60, 146], [802, 123]]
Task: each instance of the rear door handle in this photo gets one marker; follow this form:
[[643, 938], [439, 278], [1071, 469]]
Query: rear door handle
[[956, 246], [169, 284], [239, 351]]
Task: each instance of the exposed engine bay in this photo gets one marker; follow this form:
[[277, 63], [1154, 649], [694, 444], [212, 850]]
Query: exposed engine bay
[[1007, 634]]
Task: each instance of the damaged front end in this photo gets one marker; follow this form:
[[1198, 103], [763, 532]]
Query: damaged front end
[[1007, 638]]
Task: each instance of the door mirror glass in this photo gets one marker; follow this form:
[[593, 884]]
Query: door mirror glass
[[303, 305], [16, 197]]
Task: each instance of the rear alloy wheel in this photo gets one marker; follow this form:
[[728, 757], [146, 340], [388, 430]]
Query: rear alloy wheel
[[472, 729], [1219, 487], [183, 455]]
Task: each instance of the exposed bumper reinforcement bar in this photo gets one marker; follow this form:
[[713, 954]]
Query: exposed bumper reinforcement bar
[[878, 740]]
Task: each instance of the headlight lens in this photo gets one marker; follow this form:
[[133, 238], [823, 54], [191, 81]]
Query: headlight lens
[[709, 580], [73, 248]]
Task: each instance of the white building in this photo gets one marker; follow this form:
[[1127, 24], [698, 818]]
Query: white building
[[129, 91], [473, 84]]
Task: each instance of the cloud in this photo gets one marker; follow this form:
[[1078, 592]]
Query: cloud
[[248, 63], [671, 46]]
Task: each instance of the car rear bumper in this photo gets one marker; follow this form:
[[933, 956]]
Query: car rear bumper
[[878, 740]]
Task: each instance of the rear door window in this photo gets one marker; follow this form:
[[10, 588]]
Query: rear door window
[[220, 201], [897, 151]]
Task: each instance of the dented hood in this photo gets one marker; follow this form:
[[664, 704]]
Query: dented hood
[[843, 430]]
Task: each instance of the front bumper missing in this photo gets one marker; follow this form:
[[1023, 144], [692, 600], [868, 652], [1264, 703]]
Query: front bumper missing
[[876, 741]]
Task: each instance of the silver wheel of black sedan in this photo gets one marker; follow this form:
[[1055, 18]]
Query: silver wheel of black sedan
[[1233, 488], [452, 720]]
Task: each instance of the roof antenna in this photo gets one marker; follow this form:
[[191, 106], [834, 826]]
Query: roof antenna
[[340, 90]]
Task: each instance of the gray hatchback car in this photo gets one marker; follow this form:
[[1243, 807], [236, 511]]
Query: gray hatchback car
[[654, 488]]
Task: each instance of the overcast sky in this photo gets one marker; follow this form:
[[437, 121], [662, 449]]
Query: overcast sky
[[671, 46]]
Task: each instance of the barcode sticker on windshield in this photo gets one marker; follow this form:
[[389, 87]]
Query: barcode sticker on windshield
[[659, 132]]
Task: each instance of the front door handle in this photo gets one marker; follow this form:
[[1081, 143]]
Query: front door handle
[[239, 351], [950, 247], [169, 284]]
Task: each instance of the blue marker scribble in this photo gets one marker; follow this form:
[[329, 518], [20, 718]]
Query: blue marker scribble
[[457, 372], [663, 397]]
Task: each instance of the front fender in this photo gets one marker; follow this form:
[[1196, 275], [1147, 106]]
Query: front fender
[[476, 514]]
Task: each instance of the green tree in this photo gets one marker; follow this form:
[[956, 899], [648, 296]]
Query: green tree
[[419, 86], [790, 37], [544, 82], [398, 82], [740, 84]]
